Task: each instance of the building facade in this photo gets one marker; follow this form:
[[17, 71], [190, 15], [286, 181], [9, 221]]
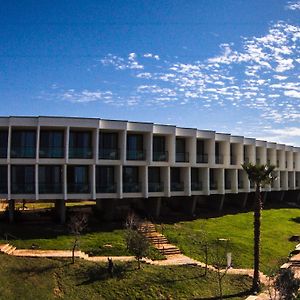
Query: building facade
[[59, 159]]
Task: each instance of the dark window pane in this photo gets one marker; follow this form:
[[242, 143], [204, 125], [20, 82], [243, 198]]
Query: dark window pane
[[23, 179]]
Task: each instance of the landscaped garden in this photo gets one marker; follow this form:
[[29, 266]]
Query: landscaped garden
[[37, 278], [278, 225]]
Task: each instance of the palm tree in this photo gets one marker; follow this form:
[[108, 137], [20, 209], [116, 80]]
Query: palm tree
[[260, 175]]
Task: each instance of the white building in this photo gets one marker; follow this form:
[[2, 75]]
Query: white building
[[60, 158]]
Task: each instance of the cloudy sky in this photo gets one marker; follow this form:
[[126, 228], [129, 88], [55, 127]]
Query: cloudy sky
[[226, 65]]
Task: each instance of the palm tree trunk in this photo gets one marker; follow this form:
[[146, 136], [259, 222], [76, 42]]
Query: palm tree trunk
[[257, 217]]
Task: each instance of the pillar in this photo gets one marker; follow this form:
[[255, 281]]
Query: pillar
[[108, 207], [153, 206], [60, 210], [11, 210], [190, 205]]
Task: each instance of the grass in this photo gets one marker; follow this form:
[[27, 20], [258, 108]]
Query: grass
[[278, 225], [38, 278], [100, 239]]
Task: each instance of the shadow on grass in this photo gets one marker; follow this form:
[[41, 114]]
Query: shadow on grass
[[39, 269], [296, 220], [100, 273], [240, 294]]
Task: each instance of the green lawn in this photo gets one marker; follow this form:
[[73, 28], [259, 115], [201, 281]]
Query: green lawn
[[277, 226], [100, 239], [35, 278]]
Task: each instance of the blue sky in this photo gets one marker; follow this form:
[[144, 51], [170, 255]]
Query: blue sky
[[226, 65]]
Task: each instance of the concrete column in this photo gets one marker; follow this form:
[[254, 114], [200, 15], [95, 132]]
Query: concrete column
[[119, 180], [108, 207], [144, 180], [167, 180], [153, 206], [205, 180], [60, 210], [9, 143], [187, 181], [282, 196], [99, 204], [192, 148], [264, 197], [190, 205], [298, 197], [148, 145], [37, 149], [93, 181], [221, 202], [67, 138], [36, 174], [8, 182], [122, 145], [171, 144], [244, 199], [11, 210], [65, 182], [96, 144]]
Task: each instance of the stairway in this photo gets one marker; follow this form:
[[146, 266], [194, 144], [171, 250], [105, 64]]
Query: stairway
[[159, 241], [7, 249]]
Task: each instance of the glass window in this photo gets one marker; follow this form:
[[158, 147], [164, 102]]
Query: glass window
[[3, 143]]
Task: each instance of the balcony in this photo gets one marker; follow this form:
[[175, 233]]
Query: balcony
[[108, 189], [286, 164], [51, 152], [86, 152], [81, 188], [23, 188], [227, 185], [136, 154], [233, 159], [297, 183], [50, 188], [277, 163], [213, 185], [160, 156], [196, 186], [294, 165], [182, 157], [177, 186], [202, 158], [155, 187], [23, 152], [132, 187], [219, 159], [3, 152], [110, 154]]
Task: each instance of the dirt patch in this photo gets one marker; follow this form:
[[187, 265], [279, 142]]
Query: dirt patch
[[58, 289]]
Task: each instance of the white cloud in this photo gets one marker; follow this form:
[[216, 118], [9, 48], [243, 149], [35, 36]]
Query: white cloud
[[86, 96], [293, 5]]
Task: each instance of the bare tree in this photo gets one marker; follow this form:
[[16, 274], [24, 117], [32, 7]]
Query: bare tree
[[78, 222], [219, 252]]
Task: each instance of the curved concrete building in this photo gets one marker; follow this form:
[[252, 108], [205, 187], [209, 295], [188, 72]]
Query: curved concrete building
[[62, 158]]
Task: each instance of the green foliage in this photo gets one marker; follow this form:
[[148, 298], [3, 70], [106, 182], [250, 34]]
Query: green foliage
[[287, 285], [137, 244], [260, 174]]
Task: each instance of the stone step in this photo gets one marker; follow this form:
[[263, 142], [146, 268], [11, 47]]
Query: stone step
[[4, 247], [11, 250]]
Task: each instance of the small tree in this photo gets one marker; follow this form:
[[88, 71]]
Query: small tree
[[287, 285], [260, 175], [219, 252], [137, 244], [77, 223]]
